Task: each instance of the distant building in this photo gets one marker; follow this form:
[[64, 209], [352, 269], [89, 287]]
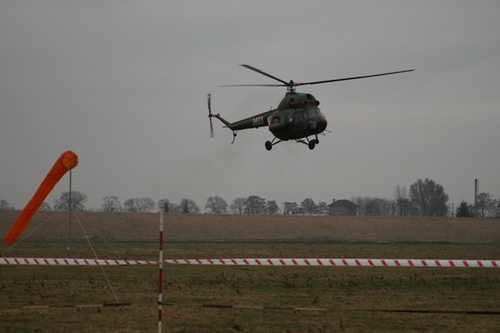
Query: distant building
[[342, 207]]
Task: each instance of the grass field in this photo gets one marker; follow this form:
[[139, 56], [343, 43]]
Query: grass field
[[353, 299], [53, 225]]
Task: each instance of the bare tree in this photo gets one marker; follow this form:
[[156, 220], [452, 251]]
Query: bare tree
[[139, 205], [238, 206], [4, 205], [429, 197], [255, 205], [77, 201], [485, 205], [362, 203], [291, 208], [165, 205], [189, 207], [404, 206], [174, 208], [374, 206], [496, 211], [308, 206], [272, 207], [322, 208], [111, 204], [216, 205], [44, 207]]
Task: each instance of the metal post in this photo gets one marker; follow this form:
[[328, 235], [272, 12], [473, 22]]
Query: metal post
[[476, 193], [70, 204], [160, 274]]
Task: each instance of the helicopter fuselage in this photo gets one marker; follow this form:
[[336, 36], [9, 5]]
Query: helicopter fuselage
[[296, 117]]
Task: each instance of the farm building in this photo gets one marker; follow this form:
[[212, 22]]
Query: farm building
[[342, 207]]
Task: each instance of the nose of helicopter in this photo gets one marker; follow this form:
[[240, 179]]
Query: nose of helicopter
[[320, 125]]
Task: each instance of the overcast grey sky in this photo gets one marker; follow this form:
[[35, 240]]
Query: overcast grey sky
[[123, 84]]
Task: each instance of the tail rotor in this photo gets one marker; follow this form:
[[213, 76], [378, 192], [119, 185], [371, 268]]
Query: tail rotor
[[210, 116]]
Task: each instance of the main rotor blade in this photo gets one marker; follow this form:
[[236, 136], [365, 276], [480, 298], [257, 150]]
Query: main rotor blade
[[266, 74], [351, 78], [255, 85]]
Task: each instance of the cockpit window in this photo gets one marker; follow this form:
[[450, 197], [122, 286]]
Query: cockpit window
[[307, 113], [312, 113]]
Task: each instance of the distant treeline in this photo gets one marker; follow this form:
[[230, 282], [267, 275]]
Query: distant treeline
[[424, 198]]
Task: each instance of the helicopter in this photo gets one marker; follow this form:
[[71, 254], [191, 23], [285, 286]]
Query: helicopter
[[297, 116]]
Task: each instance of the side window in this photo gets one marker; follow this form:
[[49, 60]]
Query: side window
[[298, 117]]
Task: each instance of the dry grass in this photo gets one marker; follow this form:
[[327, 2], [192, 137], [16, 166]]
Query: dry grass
[[355, 299], [201, 227]]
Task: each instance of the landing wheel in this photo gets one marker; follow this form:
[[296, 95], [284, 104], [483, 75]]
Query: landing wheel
[[269, 145], [312, 144]]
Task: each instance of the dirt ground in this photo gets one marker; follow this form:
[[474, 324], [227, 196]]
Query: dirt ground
[[202, 227]]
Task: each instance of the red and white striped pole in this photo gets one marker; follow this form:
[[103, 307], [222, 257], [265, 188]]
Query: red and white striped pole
[[160, 274]]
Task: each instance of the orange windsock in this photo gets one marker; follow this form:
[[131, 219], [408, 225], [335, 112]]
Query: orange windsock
[[68, 160]]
